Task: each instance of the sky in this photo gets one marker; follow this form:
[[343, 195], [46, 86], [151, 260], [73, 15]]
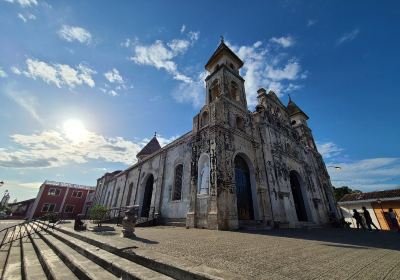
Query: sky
[[85, 84]]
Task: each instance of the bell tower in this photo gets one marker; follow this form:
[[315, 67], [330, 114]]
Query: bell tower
[[224, 80]]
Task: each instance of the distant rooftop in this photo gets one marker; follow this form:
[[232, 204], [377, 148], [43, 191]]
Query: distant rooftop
[[67, 185], [370, 195]]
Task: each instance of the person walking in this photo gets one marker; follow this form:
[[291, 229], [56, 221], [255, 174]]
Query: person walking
[[358, 219], [368, 219], [393, 219]]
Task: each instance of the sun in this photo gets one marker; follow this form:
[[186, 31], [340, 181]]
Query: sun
[[75, 130]]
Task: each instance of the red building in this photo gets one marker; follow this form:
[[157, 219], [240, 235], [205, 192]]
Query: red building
[[57, 197]]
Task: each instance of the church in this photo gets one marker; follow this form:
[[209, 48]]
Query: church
[[235, 168]]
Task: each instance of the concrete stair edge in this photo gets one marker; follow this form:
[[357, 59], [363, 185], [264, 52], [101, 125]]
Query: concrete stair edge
[[49, 269], [112, 267], [14, 264], [31, 260], [177, 272], [74, 266]]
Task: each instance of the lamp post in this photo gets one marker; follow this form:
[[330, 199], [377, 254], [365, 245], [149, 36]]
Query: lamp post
[[337, 168]]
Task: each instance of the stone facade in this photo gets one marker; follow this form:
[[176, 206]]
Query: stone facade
[[235, 166]]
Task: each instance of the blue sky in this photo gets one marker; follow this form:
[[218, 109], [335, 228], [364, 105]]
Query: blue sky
[[84, 84]]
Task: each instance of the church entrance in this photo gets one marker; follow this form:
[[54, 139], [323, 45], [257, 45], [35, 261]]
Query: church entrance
[[298, 197], [243, 190], [148, 192]]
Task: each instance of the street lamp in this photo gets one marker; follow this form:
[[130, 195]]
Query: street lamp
[[337, 168]]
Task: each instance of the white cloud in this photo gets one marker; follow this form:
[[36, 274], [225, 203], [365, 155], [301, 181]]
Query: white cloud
[[113, 76], [264, 67], [183, 28], [53, 148], [311, 22], [25, 100], [26, 17], [328, 149], [192, 92], [15, 70], [24, 3], [58, 74], [160, 56], [129, 43], [75, 33], [348, 36], [284, 42], [3, 74], [368, 174]]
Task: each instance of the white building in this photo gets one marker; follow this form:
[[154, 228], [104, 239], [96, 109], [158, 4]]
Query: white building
[[234, 167]]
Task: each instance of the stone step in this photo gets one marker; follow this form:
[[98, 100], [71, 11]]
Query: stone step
[[13, 269], [4, 253], [53, 266], [83, 267], [115, 264], [165, 265], [32, 268]]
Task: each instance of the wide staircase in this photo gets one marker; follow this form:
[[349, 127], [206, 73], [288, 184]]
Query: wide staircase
[[41, 250]]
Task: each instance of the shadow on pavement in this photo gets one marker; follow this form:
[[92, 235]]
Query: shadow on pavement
[[143, 240], [346, 238]]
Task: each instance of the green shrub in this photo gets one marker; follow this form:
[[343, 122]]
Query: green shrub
[[98, 214]]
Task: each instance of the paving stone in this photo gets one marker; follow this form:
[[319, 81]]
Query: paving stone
[[277, 254]]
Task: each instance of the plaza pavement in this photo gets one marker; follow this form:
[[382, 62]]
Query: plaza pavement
[[275, 254]]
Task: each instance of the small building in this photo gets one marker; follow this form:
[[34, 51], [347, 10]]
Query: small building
[[21, 209], [377, 203], [58, 197]]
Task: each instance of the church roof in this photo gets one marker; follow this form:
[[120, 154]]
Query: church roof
[[151, 147], [293, 109], [222, 48]]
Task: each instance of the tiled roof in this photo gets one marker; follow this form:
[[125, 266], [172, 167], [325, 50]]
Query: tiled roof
[[151, 147], [293, 109], [67, 185], [223, 48], [370, 195]]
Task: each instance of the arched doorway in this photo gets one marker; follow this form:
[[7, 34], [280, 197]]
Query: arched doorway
[[243, 190], [148, 192], [298, 197]]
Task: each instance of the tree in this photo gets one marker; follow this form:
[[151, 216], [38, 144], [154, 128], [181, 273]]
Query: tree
[[342, 191], [98, 214]]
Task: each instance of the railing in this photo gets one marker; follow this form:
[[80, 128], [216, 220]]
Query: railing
[[116, 214], [21, 230]]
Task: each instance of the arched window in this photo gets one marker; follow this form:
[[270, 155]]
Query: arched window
[[116, 198], [177, 193], [234, 92], [239, 123], [214, 91], [128, 198], [204, 119]]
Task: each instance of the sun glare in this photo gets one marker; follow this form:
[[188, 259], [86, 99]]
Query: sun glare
[[75, 130]]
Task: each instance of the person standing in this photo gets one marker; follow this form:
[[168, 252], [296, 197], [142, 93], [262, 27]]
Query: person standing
[[393, 219], [358, 219], [368, 219]]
